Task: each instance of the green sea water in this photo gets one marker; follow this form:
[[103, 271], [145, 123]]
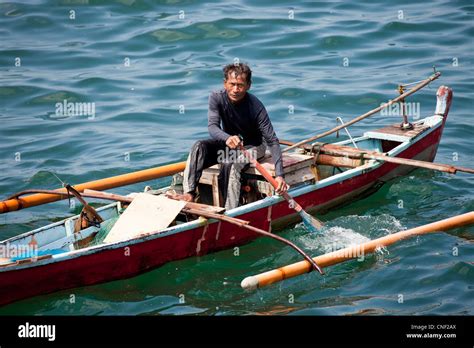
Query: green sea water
[[148, 68]]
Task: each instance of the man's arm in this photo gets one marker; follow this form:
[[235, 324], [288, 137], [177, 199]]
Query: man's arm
[[271, 139], [214, 120]]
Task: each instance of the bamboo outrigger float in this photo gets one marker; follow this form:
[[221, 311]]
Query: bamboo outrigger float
[[353, 252], [69, 254]]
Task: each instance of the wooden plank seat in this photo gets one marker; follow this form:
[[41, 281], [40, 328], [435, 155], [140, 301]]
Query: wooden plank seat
[[297, 168]]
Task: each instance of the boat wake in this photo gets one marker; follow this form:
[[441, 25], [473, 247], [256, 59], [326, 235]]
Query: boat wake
[[332, 239], [349, 231]]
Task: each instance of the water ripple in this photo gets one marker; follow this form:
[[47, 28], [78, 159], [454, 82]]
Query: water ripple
[[149, 67]]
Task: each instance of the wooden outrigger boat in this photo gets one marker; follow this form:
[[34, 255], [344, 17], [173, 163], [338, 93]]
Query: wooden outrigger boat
[[320, 180]]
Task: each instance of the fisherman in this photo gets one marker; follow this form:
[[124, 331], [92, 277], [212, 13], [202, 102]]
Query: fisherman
[[235, 117]]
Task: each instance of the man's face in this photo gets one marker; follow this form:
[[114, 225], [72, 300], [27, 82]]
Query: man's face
[[236, 87]]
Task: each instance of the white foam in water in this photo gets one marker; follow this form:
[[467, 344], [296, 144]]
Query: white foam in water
[[359, 230], [371, 226], [333, 238]]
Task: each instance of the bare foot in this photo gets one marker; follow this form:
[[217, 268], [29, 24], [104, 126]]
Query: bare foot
[[187, 197]]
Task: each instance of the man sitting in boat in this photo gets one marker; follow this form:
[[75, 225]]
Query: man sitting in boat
[[234, 114]]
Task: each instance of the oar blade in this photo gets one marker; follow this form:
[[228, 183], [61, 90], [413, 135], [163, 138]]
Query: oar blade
[[311, 223]]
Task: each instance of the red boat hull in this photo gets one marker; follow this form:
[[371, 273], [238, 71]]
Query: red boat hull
[[118, 263]]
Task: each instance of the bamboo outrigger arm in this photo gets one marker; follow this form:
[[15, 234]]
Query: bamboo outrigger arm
[[372, 155], [335, 257], [101, 184], [340, 151], [367, 114], [246, 225]]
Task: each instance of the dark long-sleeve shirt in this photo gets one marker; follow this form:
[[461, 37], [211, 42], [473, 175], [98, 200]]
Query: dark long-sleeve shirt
[[247, 118]]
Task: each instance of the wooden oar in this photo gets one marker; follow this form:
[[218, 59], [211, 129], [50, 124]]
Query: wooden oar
[[101, 184], [367, 114], [310, 222], [335, 257]]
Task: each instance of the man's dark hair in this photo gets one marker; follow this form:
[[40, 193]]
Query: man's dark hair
[[239, 69]]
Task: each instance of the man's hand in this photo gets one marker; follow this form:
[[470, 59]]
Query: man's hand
[[233, 141], [282, 185]]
